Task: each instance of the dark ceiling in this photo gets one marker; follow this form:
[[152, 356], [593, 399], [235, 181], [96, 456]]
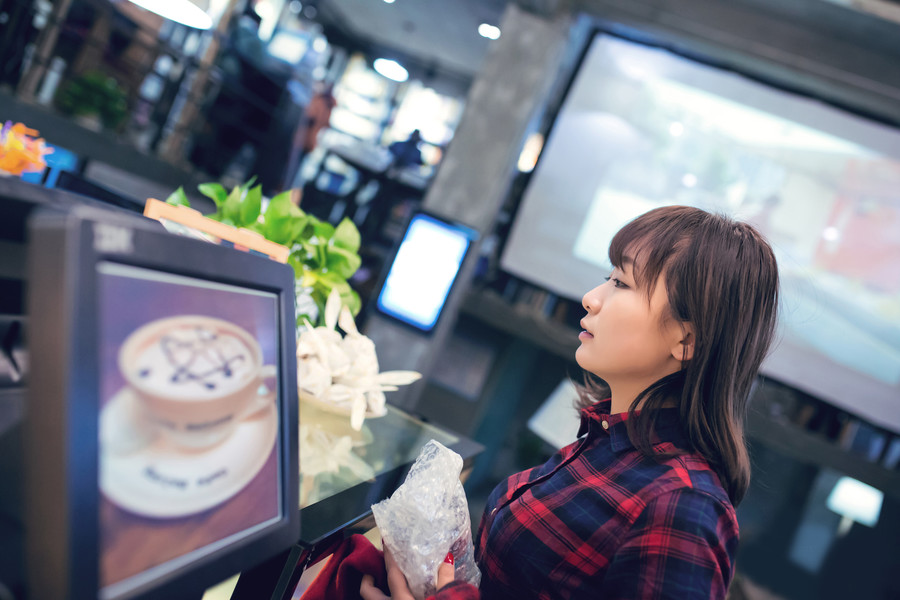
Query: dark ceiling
[[437, 35]]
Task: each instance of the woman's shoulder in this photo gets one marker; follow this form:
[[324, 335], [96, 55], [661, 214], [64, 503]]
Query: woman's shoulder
[[689, 475]]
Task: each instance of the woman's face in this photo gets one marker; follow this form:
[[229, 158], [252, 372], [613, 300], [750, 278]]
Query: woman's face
[[626, 340]]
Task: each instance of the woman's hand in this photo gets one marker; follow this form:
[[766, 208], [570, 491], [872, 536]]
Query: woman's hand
[[397, 580]]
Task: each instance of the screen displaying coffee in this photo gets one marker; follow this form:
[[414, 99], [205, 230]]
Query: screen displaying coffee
[[189, 420]]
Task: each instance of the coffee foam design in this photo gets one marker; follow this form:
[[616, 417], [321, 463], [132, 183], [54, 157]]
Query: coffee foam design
[[195, 358]]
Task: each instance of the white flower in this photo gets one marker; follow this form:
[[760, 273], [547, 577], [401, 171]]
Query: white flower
[[314, 378], [341, 372]]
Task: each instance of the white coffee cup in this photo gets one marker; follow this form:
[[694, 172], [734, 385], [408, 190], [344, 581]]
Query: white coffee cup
[[196, 377]]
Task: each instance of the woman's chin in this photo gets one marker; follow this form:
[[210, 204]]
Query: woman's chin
[[578, 357]]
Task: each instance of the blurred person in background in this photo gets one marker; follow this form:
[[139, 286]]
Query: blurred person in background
[[406, 152]]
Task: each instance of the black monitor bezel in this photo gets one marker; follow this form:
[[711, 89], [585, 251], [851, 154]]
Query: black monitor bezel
[[471, 237], [62, 516]]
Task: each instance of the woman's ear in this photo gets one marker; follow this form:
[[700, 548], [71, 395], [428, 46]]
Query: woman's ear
[[683, 348]]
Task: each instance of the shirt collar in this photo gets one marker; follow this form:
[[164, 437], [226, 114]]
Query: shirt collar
[[667, 427]]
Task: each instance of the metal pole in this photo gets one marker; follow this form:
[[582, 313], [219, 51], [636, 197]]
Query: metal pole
[[173, 147], [43, 50]]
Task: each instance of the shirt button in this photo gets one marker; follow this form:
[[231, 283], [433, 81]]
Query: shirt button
[[605, 424]]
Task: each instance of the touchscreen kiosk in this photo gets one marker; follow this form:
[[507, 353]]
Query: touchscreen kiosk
[[423, 271], [162, 411]]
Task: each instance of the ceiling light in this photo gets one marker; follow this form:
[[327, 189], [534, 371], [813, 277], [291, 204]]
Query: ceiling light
[[391, 69], [489, 31], [388, 1], [187, 12]]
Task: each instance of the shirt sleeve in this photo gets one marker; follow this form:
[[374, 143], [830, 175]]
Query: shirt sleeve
[[682, 546], [457, 590]]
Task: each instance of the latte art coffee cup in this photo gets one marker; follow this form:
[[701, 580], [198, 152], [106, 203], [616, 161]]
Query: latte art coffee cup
[[194, 360], [197, 377]]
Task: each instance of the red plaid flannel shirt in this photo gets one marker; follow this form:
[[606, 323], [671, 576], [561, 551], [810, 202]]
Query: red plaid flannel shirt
[[600, 520]]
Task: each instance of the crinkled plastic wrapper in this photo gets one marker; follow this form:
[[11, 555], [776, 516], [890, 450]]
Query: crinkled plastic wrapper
[[427, 517]]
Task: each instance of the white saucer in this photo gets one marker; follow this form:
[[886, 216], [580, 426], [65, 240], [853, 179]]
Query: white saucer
[[160, 480]]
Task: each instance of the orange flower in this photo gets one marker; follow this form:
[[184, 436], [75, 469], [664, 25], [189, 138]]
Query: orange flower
[[19, 151]]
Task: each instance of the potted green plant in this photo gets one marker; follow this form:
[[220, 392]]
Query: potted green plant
[[323, 256], [94, 99]]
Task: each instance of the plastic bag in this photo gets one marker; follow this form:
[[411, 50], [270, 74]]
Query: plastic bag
[[426, 517]]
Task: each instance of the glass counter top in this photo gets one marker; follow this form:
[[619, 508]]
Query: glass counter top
[[334, 457], [343, 472]]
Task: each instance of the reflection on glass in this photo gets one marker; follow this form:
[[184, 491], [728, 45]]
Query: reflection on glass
[[337, 458]]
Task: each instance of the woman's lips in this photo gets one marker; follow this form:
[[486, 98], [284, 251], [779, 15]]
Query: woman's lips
[[585, 334]]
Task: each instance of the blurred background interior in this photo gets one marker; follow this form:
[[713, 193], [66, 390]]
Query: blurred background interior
[[533, 122]]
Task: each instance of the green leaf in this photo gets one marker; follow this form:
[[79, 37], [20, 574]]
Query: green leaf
[[281, 230], [280, 205], [346, 235], [351, 300], [333, 280], [323, 230], [214, 191], [321, 256], [284, 222], [231, 210], [257, 227], [309, 229], [248, 211], [246, 185], [295, 259], [310, 254], [178, 198], [342, 262]]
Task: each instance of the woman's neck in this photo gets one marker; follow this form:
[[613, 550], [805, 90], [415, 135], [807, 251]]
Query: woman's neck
[[622, 395], [621, 398]]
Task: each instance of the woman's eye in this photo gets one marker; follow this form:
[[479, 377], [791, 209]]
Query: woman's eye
[[616, 282]]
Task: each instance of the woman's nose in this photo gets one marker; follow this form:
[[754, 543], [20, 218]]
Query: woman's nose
[[593, 299]]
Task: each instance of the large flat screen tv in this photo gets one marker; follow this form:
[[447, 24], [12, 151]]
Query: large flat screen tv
[[642, 127], [161, 432]]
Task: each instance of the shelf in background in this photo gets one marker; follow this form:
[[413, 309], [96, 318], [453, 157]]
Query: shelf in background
[[489, 307], [807, 447]]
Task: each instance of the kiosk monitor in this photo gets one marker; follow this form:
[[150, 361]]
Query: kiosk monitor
[[161, 427]]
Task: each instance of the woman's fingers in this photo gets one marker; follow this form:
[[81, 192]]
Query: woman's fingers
[[368, 591], [398, 585], [446, 573], [389, 562], [397, 580]]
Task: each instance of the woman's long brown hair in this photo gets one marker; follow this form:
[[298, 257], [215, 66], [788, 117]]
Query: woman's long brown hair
[[722, 278]]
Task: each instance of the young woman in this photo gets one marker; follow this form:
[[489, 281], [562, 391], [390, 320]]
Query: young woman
[[642, 504]]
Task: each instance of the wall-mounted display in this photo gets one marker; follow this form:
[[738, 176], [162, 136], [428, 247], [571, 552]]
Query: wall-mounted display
[[642, 127]]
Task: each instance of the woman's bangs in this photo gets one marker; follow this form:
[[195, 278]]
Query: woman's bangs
[[649, 240]]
